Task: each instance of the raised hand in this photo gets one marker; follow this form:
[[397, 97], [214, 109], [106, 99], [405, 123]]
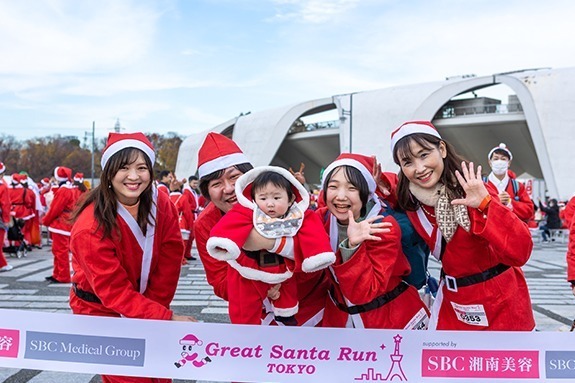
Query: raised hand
[[299, 175], [376, 173], [472, 184], [357, 232]]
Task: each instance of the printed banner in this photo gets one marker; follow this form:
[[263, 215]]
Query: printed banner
[[223, 352]]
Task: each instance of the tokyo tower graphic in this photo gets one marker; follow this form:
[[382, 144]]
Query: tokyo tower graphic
[[395, 371]]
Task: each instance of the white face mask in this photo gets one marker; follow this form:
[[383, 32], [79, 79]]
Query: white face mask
[[499, 167]]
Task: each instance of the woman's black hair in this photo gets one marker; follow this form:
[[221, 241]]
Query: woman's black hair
[[274, 178], [356, 178], [451, 163], [205, 180], [105, 200]]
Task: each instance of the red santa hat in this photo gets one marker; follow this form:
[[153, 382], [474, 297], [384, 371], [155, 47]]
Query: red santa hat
[[23, 179], [362, 163], [79, 177], [119, 141], [2, 168], [45, 181], [412, 127], [217, 153], [16, 178], [502, 147], [62, 174]]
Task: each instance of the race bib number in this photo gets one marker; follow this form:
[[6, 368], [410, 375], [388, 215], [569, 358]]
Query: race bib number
[[419, 321], [471, 314]]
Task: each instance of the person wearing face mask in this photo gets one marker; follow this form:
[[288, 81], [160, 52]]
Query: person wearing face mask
[[512, 193], [553, 221]]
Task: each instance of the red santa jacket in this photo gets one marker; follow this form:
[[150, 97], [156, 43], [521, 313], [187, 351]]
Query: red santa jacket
[[58, 216], [311, 250], [4, 202], [568, 212], [498, 237], [111, 268], [571, 252], [374, 270], [23, 202], [521, 204]]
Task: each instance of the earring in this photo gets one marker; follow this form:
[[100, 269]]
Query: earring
[[109, 186]]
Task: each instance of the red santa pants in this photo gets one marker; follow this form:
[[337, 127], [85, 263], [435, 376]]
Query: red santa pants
[[246, 297], [2, 258], [61, 251]]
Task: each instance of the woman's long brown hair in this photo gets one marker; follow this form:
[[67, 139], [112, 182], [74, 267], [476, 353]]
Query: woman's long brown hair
[[451, 163], [105, 200]]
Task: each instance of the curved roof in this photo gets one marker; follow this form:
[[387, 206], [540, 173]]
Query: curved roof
[[540, 136]]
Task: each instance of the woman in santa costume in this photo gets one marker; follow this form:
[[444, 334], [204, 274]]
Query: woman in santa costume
[[220, 164], [512, 193], [482, 286], [126, 244], [185, 214], [368, 288], [301, 245], [57, 219]]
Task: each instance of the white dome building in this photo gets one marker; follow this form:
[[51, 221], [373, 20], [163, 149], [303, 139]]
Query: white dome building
[[537, 124]]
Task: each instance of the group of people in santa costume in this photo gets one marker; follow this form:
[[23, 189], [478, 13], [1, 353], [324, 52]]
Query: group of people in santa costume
[[449, 205]]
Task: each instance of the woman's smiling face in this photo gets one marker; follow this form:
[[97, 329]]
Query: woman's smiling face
[[131, 180], [342, 196], [423, 166]]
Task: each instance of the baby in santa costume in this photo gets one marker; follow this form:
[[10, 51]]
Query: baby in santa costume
[[273, 202]]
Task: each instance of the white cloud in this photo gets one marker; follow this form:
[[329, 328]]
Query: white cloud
[[43, 37], [312, 11]]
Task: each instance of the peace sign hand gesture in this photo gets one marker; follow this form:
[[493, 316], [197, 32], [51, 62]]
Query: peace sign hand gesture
[[357, 232], [472, 184]]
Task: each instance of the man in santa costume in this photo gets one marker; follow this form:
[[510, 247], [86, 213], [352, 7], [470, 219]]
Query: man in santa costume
[[512, 193], [301, 245], [220, 164], [57, 219], [164, 181], [190, 203], [4, 217]]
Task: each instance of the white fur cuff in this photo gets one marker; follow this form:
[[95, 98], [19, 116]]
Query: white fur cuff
[[318, 262], [285, 312], [223, 249]]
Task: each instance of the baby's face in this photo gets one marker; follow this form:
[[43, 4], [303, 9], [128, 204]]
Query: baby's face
[[272, 200]]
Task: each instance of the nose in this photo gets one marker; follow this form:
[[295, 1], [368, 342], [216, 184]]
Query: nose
[[229, 186], [132, 173], [340, 194], [419, 166]]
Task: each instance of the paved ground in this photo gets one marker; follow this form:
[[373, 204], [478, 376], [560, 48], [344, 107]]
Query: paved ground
[[25, 288]]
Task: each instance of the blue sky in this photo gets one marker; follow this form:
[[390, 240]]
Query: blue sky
[[185, 66]]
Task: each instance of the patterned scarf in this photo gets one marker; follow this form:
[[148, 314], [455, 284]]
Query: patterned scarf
[[448, 216]]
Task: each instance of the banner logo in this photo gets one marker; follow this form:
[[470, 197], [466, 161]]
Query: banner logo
[[9, 343], [85, 349], [189, 356], [560, 364], [492, 364]]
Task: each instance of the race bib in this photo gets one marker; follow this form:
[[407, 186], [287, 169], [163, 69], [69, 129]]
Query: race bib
[[419, 321], [471, 314]]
